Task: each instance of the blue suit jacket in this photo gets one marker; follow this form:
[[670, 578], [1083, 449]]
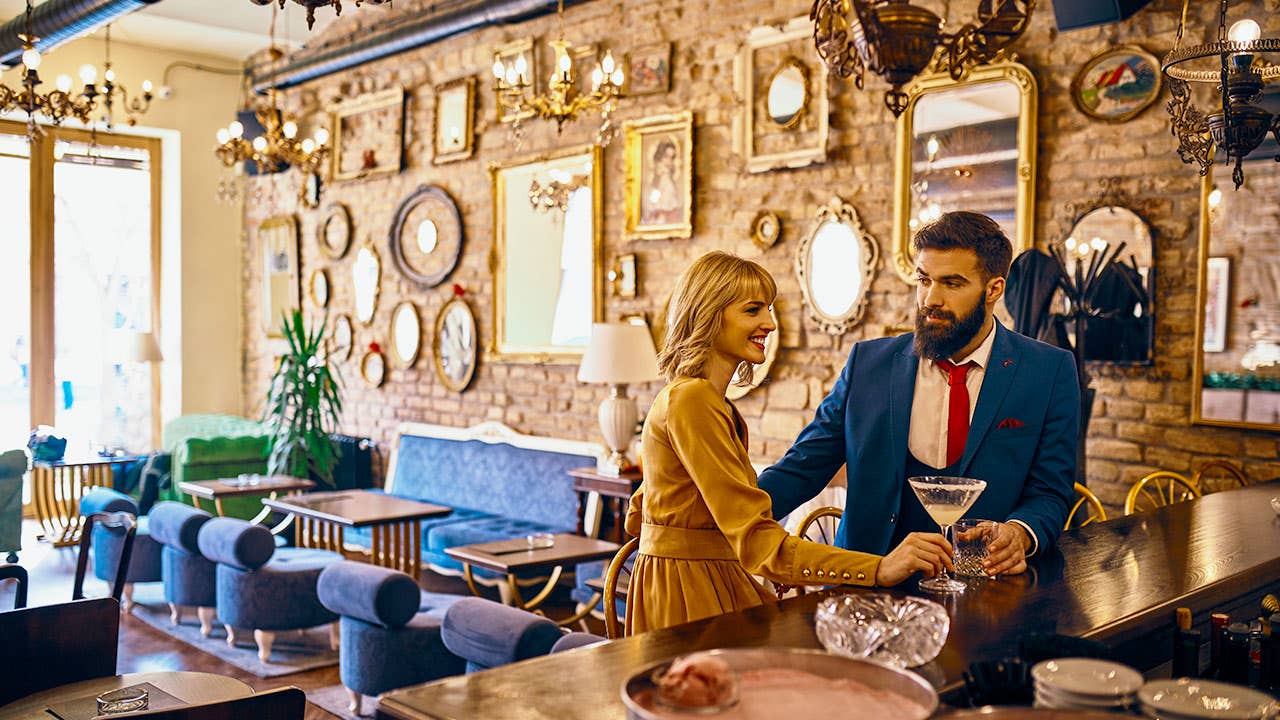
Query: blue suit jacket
[[1022, 440]]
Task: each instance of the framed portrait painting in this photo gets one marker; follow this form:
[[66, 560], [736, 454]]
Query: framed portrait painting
[[648, 70], [1117, 84], [455, 120], [1217, 291], [659, 176], [281, 284]]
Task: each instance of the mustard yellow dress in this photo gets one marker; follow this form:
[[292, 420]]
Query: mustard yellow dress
[[704, 525]]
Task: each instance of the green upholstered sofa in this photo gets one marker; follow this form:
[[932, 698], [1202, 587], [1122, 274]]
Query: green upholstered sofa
[[13, 466], [207, 447]]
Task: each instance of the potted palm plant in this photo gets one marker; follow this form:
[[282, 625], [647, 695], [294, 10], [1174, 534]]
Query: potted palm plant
[[303, 405]]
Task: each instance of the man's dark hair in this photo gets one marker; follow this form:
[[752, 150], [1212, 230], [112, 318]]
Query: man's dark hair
[[971, 231]]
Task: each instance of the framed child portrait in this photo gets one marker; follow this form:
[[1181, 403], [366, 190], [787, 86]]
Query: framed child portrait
[[659, 176], [455, 120]]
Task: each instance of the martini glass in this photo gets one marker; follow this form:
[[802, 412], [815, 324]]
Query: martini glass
[[946, 499]]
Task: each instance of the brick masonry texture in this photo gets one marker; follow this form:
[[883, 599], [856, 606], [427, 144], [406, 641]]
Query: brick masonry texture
[[1141, 416]]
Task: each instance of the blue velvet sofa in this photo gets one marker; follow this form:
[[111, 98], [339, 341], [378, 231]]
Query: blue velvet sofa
[[501, 485]]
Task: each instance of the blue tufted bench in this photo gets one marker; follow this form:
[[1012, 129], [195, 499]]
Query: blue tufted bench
[[501, 485]]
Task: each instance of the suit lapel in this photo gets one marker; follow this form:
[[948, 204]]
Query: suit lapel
[[1001, 369], [902, 388]]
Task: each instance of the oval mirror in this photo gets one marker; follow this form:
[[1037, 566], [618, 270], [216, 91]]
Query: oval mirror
[[759, 373], [366, 275], [788, 93], [455, 345], [835, 263], [320, 288], [406, 333], [343, 337]]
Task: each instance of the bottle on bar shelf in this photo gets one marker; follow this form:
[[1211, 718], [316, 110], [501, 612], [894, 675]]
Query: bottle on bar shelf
[[1218, 623], [1235, 657], [1271, 653], [1186, 646]]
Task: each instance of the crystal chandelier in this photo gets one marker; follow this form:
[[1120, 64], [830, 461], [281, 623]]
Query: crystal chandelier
[[898, 40], [556, 193], [56, 105], [111, 91], [562, 102], [278, 147], [311, 6], [1234, 64]]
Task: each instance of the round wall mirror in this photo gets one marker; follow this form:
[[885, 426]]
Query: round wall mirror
[[788, 93], [406, 333], [343, 337], [366, 275], [320, 288], [426, 236], [836, 262], [455, 345], [334, 233], [759, 373], [373, 368]]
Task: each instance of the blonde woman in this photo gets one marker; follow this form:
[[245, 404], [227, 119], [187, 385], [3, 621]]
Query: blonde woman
[[704, 526]]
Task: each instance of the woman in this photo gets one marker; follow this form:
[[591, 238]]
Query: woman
[[704, 526]]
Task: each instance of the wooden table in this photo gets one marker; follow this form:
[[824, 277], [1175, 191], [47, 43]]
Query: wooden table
[[246, 485], [515, 556], [191, 687], [1116, 582], [595, 489], [396, 523], [56, 489]]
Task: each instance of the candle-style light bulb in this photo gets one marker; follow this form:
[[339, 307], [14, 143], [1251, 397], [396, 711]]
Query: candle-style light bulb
[[31, 58], [1244, 31], [931, 146], [322, 136], [308, 146], [597, 78], [109, 75], [522, 68], [498, 70], [616, 78], [290, 129], [236, 129], [223, 136], [147, 87], [63, 83], [511, 76], [259, 143], [88, 74], [607, 63]]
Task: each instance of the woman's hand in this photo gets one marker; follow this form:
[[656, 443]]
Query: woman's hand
[[926, 552]]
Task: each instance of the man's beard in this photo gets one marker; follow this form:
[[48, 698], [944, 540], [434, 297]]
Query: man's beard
[[940, 343]]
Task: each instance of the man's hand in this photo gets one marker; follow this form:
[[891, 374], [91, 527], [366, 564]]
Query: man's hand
[[926, 552], [1007, 550]]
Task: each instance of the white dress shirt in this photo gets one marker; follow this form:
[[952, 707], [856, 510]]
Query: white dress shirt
[[930, 408]]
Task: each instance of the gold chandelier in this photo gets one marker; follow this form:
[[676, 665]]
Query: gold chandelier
[[562, 102], [111, 91], [898, 40], [311, 6], [1235, 65], [56, 105], [278, 147]]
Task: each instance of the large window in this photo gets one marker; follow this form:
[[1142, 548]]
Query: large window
[[85, 268]]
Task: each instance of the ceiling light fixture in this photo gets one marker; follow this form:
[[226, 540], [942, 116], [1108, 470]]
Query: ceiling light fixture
[[1235, 63], [311, 6], [111, 90], [898, 40], [56, 105]]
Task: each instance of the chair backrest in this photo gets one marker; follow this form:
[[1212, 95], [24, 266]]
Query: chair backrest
[[1158, 489], [51, 645], [123, 522], [286, 703], [611, 590], [19, 573], [1091, 506], [1235, 476]]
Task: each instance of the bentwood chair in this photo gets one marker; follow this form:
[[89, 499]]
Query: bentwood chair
[[1087, 509], [51, 645], [611, 590], [819, 526], [286, 703], [121, 524], [1157, 490], [19, 573], [1234, 476]]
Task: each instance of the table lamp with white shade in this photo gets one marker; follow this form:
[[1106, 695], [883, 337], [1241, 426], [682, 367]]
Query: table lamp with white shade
[[618, 354]]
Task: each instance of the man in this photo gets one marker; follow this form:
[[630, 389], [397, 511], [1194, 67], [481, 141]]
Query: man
[[962, 396]]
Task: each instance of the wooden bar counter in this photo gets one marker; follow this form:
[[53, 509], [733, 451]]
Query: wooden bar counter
[[1116, 582]]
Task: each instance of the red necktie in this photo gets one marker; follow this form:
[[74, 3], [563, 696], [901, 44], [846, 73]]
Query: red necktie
[[957, 408]]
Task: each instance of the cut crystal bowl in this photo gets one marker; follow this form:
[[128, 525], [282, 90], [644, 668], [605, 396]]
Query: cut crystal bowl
[[904, 632]]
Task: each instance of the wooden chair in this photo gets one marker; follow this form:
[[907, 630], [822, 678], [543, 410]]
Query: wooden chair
[[1235, 476], [819, 526], [611, 590], [118, 520], [1158, 489], [19, 573], [1085, 500], [53, 645], [286, 703]]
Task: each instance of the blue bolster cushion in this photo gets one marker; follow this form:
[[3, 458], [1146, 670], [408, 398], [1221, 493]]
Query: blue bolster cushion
[[376, 595], [178, 525], [237, 543], [490, 634], [104, 499]]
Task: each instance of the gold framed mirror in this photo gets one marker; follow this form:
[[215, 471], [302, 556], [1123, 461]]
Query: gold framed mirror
[[835, 264], [455, 345], [366, 277], [319, 287], [342, 338], [1236, 373], [787, 93], [406, 333], [547, 264], [966, 145]]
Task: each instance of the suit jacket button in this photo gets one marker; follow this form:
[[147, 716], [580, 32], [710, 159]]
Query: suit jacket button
[[862, 576], [893, 518], [805, 572], [819, 573], [845, 575]]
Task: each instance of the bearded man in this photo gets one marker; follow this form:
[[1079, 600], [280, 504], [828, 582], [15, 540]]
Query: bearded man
[[961, 396]]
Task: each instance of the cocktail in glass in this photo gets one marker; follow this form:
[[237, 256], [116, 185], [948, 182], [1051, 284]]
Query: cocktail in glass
[[946, 499]]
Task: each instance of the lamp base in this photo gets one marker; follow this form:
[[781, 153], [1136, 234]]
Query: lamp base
[[615, 465], [618, 417]]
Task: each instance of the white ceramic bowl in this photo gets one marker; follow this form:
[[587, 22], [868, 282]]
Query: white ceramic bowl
[[1087, 678], [1194, 698]]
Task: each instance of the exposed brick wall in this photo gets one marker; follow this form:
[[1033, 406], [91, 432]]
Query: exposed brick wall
[[1141, 417]]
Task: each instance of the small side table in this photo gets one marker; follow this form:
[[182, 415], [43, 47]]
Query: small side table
[[56, 489], [595, 489], [246, 485]]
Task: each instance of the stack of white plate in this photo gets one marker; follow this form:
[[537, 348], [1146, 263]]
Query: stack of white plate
[[1085, 684], [1194, 699]]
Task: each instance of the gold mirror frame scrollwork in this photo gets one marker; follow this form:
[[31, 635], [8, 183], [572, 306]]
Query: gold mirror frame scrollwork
[[1028, 91], [838, 211]]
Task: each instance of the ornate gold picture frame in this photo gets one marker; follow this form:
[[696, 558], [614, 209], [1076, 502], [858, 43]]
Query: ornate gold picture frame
[[455, 118], [659, 177], [368, 135], [761, 141], [281, 278]]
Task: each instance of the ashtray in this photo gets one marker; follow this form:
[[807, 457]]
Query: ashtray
[[903, 632], [122, 700], [538, 541], [1275, 504]]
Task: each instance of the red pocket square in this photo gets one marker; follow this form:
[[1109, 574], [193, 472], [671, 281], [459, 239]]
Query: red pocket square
[[1010, 422]]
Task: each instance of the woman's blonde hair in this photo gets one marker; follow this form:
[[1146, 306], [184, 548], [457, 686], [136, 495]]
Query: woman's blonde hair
[[696, 312]]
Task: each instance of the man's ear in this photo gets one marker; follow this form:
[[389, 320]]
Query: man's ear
[[995, 290]]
